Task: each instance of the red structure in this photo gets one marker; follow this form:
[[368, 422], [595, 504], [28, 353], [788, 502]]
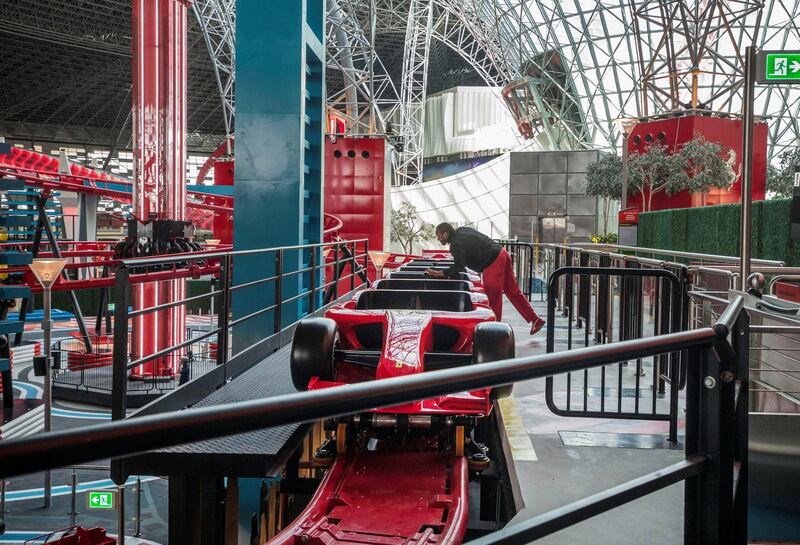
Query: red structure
[[159, 165], [428, 495], [41, 171], [76, 535], [356, 189], [221, 162], [223, 223], [398, 474], [727, 132], [24, 160]]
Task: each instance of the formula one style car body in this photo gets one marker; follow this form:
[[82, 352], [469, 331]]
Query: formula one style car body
[[399, 326], [400, 475]]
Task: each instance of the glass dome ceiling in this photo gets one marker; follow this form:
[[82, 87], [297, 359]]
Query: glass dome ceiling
[[637, 58]]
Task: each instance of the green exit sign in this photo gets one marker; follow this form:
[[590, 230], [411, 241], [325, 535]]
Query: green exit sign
[[101, 499], [778, 67]]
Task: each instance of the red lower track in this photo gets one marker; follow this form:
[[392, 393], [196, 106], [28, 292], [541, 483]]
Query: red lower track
[[386, 498], [81, 360]]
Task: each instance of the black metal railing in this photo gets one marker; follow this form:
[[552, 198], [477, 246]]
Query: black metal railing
[[323, 272], [92, 372], [621, 305], [523, 259], [715, 510], [611, 393], [311, 287]]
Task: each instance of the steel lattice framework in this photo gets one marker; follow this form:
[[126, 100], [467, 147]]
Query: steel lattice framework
[[66, 65], [633, 58], [367, 96], [217, 20], [414, 88], [691, 55]]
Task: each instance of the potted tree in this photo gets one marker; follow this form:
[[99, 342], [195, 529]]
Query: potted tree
[[604, 180], [408, 229], [655, 171], [703, 168]]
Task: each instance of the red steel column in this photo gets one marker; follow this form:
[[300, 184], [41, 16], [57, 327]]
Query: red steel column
[[159, 159]]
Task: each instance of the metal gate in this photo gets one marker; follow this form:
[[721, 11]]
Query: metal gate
[[647, 302], [523, 259]]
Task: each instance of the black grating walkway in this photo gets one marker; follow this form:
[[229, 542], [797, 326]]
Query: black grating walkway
[[251, 454]]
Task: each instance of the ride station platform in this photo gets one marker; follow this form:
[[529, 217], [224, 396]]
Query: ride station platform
[[254, 454]]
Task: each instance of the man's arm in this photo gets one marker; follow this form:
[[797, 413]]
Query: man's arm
[[459, 261]]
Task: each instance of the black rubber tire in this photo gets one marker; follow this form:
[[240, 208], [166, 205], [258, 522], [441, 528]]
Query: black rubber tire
[[313, 344], [493, 341]]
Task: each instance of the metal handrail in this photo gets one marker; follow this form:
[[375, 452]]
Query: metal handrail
[[673, 371], [712, 270], [673, 253], [728, 317], [172, 304], [751, 310], [173, 348], [166, 260], [274, 307], [548, 523], [127, 437], [716, 430], [778, 278]]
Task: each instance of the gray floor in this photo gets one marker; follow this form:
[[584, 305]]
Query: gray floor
[[563, 474], [25, 516]]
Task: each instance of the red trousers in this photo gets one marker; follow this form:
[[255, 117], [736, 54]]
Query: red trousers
[[498, 278]]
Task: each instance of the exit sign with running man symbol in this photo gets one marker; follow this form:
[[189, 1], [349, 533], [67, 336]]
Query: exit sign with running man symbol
[[101, 499], [778, 67]]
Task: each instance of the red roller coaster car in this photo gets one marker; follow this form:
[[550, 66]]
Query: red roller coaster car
[[400, 474]]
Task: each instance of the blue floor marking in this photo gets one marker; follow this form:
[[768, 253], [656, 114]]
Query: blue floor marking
[[19, 537], [33, 391], [85, 415], [28, 391], [63, 490]]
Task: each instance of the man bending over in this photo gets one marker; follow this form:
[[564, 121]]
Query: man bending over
[[473, 249]]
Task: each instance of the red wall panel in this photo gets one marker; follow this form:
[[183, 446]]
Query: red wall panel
[[726, 132], [356, 189]]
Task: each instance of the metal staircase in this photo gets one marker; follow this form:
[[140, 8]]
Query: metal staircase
[[12, 219], [20, 207]]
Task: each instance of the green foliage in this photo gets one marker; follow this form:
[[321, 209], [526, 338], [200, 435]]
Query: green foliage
[[607, 238], [715, 230], [775, 239], [655, 171], [694, 230], [699, 166], [679, 219], [780, 178], [757, 230], [728, 220], [645, 231], [604, 177], [775, 182], [711, 230], [408, 229], [604, 180], [661, 231], [704, 168]]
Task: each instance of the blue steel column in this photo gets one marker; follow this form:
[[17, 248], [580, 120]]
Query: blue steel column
[[279, 136]]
